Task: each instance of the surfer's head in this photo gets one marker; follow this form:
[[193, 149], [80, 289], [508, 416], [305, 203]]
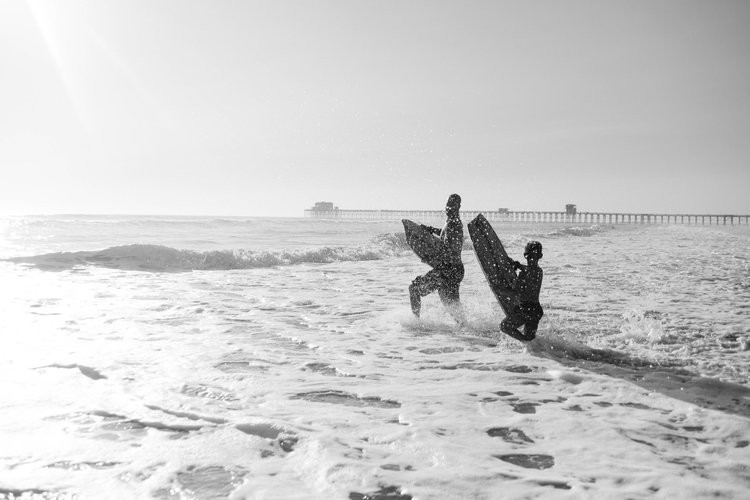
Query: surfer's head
[[533, 250], [453, 205]]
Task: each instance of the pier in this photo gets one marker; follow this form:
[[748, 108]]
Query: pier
[[530, 216]]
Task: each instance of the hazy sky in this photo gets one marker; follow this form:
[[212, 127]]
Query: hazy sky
[[265, 107]]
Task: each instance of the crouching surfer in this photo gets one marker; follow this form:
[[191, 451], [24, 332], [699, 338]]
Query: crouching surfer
[[528, 310], [445, 277]]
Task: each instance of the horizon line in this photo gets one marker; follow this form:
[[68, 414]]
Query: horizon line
[[306, 210]]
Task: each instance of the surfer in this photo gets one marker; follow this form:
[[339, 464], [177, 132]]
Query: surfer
[[528, 311], [447, 275]]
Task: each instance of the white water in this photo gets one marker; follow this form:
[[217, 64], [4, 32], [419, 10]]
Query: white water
[[277, 358]]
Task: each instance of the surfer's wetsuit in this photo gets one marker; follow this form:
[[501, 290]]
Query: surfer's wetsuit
[[446, 277], [528, 311]]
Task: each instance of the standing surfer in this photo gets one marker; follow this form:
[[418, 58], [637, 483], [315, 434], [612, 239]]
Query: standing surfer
[[446, 276], [528, 310]]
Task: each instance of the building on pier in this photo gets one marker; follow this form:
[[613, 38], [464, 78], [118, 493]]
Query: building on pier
[[323, 207]]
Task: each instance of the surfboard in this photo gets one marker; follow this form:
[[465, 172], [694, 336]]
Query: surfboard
[[494, 261], [428, 247]]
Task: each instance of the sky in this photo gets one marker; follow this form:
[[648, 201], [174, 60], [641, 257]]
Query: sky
[[242, 107]]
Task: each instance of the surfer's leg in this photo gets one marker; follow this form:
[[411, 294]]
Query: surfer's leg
[[449, 293], [421, 286], [529, 329], [451, 300], [414, 299], [532, 314]]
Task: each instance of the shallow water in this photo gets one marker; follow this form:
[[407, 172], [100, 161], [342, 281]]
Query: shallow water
[[277, 358]]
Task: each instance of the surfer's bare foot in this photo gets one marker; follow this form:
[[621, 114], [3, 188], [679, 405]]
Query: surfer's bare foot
[[509, 330]]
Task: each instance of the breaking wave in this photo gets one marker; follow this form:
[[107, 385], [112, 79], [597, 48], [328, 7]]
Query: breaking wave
[[573, 231], [142, 257]]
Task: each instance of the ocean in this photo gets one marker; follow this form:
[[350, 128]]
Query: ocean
[[262, 358]]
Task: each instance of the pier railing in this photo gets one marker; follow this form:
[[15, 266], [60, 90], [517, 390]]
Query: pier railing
[[537, 216]]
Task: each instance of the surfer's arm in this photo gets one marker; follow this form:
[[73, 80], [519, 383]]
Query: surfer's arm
[[431, 229]]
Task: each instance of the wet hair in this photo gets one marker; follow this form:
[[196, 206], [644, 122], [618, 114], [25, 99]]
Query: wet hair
[[533, 250], [454, 200]]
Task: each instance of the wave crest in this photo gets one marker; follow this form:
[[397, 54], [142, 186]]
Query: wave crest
[[577, 231], [142, 257]]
